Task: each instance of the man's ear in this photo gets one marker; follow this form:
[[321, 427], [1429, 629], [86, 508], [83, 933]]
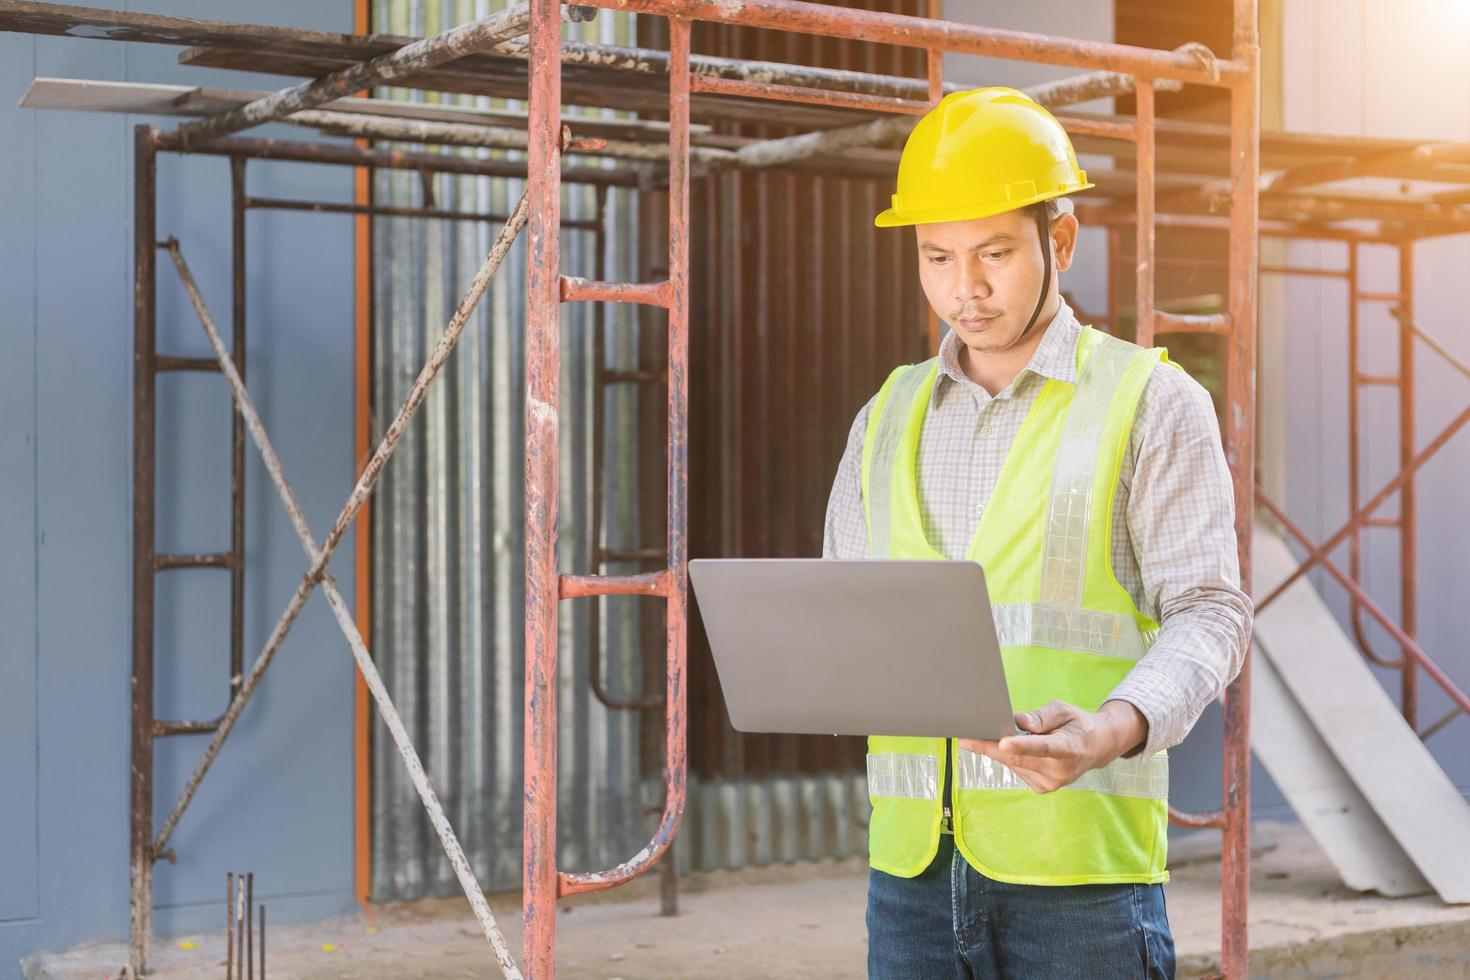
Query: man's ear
[[1064, 240]]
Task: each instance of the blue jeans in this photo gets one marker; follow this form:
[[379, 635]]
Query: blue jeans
[[952, 921]]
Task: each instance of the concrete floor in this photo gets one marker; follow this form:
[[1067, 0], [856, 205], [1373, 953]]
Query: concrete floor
[[806, 921]]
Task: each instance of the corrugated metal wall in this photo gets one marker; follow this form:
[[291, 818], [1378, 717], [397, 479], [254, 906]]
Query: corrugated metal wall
[[800, 311], [448, 544]]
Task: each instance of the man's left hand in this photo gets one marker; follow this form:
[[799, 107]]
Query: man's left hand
[[1062, 741]]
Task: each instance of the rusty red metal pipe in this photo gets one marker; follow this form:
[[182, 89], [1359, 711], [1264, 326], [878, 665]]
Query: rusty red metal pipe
[[543, 394], [809, 96], [1240, 453], [920, 32], [658, 584], [575, 288]]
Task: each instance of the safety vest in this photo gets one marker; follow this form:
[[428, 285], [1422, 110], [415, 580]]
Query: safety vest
[[1067, 630]]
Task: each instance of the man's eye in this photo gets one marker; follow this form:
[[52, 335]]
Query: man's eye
[[938, 259], [997, 255]]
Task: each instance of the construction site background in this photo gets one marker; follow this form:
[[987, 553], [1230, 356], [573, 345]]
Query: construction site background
[[284, 807]]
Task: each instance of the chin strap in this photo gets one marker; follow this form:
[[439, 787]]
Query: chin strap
[[1043, 235]]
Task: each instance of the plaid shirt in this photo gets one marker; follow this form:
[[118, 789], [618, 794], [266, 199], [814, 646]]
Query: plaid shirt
[[1173, 541]]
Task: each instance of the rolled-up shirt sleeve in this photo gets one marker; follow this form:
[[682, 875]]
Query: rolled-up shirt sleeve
[[845, 533], [1181, 520]]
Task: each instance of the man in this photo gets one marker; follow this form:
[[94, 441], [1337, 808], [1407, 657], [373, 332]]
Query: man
[[1085, 474]]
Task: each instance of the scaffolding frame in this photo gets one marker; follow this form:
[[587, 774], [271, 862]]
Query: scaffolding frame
[[545, 588], [528, 36]]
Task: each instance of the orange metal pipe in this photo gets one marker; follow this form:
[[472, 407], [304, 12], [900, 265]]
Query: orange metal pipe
[[676, 574], [585, 586], [1240, 453], [362, 226], [543, 398], [575, 288], [1215, 323]]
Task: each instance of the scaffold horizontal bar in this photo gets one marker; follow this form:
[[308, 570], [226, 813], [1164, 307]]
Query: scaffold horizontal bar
[[576, 289], [164, 729], [1206, 820], [394, 211], [1081, 125], [878, 27], [222, 559], [810, 96], [1296, 270], [206, 364], [1217, 323], [658, 583]]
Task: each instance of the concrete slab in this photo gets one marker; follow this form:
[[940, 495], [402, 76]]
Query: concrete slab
[[806, 921]]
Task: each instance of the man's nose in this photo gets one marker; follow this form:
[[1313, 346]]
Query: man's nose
[[973, 283]]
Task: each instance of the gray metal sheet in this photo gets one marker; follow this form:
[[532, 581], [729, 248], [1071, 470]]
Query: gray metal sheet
[[1360, 725], [1320, 790], [448, 544]]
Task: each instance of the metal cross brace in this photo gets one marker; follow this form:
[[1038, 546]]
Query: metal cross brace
[[317, 572]]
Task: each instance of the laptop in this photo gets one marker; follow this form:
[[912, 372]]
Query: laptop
[[817, 646]]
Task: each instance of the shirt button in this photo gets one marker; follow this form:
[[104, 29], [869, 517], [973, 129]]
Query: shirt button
[[985, 429], [980, 510]]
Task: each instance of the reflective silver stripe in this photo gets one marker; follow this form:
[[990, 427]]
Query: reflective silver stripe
[[1064, 551], [1061, 628], [900, 774], [885, 446], [1147, 778]]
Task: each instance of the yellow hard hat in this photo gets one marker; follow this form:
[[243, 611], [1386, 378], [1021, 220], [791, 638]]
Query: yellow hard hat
[[981, 153]]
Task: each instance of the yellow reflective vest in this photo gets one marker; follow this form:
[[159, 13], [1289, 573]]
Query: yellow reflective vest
[[1068, 631]]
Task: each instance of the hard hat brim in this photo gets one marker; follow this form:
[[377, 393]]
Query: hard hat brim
[[894, 218]]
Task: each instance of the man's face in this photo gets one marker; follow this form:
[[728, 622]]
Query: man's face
[[982, 277]]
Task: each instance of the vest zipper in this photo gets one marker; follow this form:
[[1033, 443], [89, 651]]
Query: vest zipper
[[948, 791]]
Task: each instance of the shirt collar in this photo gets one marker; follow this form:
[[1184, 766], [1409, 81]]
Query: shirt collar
[[1054, 358]]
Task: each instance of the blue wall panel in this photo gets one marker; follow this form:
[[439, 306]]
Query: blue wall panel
[[19, 894], [279, 799]]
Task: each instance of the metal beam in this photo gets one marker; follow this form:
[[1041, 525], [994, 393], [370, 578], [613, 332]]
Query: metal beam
[[825, 20], [880, 132], [1366, 166], [67, 20], [407, 60], [144, 98], [458, 134], [357, 156]]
